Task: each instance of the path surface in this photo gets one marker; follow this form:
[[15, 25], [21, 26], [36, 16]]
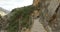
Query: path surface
[[3, 31], [37, 26]]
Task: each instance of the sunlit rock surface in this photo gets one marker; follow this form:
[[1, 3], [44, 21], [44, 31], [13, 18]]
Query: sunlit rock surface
[[2, 13]]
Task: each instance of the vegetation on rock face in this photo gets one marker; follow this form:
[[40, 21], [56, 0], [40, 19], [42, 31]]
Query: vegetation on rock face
[[20, 16], [0, 16]]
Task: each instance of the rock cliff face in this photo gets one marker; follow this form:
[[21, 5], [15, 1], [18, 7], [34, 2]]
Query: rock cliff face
[[48, 14]]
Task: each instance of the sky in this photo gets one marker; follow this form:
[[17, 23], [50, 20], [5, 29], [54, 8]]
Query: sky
[[11, 4]]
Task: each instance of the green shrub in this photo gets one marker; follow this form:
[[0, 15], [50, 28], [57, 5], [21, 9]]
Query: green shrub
[[20, 16]]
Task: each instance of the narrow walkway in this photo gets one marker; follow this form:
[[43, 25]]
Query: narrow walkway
[[37, 26]]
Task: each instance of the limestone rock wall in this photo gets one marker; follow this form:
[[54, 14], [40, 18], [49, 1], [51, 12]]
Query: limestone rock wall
[[49, 14]]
